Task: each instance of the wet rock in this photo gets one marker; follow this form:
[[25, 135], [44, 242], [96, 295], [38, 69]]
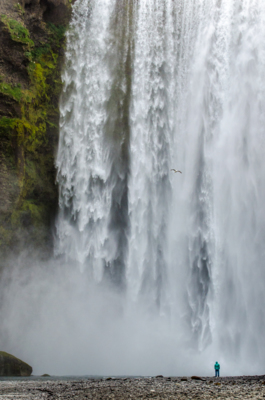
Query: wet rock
[[56, 11], [12, 366], [197, 378]]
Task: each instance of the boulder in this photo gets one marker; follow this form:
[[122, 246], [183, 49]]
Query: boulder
[[197, 378], [12, 366]]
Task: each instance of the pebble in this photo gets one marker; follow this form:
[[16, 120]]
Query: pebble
[[130, 388]]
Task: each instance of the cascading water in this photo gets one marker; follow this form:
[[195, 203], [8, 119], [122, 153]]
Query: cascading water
[[149, 86]]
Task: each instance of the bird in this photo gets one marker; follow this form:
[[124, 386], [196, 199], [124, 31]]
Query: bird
[[175, 170]]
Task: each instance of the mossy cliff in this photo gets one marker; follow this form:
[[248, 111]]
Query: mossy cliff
[[31, 53], [12, 366]]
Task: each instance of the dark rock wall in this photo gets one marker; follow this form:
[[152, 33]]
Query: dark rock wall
[[31, 54]]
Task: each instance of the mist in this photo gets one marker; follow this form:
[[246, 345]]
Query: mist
[[62, 324]]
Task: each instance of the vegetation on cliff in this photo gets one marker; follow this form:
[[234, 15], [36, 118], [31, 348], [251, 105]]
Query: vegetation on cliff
[[30, 85], [12, 366]]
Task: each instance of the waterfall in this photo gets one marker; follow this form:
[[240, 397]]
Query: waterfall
[[149, 86]]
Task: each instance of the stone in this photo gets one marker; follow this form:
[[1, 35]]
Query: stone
[[197, 378], [132, 388], [12, 366]]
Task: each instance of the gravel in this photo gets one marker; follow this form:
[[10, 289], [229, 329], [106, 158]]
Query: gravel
[[243, 387]]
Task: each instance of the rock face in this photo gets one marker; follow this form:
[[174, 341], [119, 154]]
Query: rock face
[[32, 36], [12, 366], [55, 11]]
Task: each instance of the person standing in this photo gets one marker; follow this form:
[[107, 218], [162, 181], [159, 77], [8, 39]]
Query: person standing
[[217, 368]]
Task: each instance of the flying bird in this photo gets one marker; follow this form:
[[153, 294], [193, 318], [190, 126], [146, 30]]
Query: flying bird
[[175, 170]]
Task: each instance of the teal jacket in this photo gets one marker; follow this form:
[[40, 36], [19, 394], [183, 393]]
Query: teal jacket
[[216, 366]]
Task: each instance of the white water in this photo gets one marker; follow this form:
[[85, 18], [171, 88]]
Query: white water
[[189, 247], [172, 265]]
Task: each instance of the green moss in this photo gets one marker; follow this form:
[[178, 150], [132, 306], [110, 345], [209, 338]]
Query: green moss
[[36, 105], [7, 123], [11, 91], [17, 31], [37, 211], [19, 9], [57, 33], [38, 52]]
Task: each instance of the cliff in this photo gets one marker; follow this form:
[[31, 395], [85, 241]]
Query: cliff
[[32, 35]]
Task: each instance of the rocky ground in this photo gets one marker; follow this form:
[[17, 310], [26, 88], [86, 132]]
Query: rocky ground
[[244, 387]]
